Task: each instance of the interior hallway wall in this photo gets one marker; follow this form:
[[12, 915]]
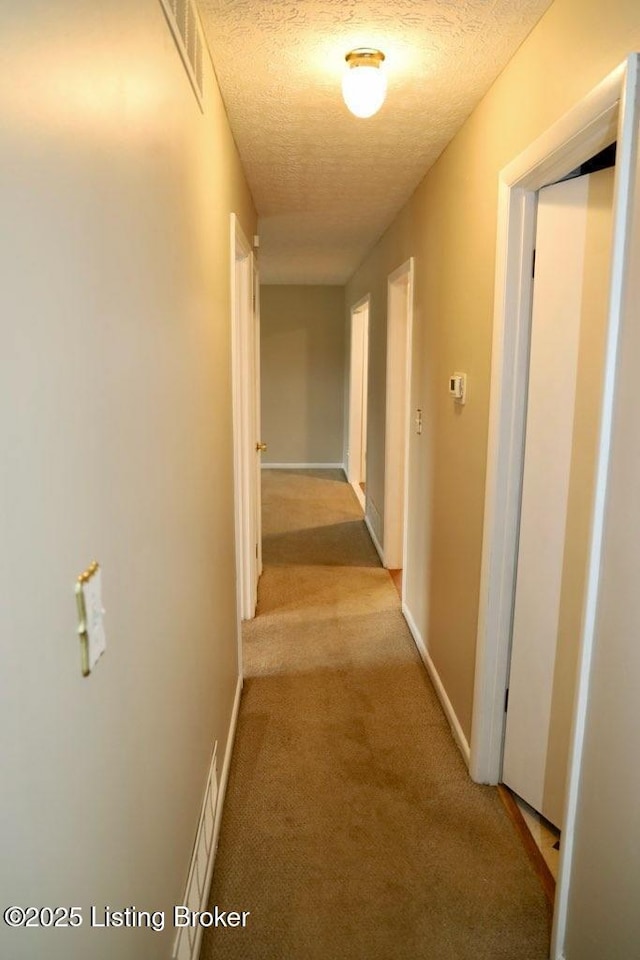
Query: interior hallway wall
[[302, 351], [449, 226], [116, 430]]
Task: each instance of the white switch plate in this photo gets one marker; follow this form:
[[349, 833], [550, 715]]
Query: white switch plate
[[95, 618], [91, 617]]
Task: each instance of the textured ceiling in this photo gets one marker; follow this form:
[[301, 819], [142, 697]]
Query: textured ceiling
[[326, 184]]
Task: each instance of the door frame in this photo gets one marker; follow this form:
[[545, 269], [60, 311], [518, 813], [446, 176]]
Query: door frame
[[397, 433], [608, 111], [258, 413], [358, 399], [244, 353], [556, 372]]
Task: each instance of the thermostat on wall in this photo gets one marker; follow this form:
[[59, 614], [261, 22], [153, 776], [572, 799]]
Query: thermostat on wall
[[458, 386]]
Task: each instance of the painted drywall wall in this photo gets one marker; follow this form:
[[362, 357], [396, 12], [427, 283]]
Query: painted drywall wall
[[449, 226], [117, 446], [302, 354]]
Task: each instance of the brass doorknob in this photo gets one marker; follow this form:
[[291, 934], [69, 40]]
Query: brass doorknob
[[261, 447]]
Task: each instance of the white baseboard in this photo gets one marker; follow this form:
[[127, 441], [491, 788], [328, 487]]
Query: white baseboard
[[376, 542], [302, 466], [224, 775], [188, 939], [357, 489], [447, 706]]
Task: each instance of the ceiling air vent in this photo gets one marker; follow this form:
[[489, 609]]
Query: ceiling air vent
[[182, 17]]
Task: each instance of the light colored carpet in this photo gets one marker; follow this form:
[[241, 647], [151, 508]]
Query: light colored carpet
[[351, 829]]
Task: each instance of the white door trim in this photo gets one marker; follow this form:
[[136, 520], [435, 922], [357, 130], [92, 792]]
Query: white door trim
[[586, 129], [626, 204], [556, 372], [397, 433], [243, 349], [578, 135]]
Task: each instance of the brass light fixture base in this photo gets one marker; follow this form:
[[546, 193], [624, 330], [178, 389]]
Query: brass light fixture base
[[365, 57]]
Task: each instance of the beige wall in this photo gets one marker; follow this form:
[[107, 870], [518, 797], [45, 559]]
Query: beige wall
[[449, 226], [117, 445], [302, 355]]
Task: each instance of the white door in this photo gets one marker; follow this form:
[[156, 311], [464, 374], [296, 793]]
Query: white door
[[358, 393], [260, 446], [364, 406], [569, 313], [246, 420], [398, 412]]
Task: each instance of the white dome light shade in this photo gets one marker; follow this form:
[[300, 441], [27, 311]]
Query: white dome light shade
[[364, 85]]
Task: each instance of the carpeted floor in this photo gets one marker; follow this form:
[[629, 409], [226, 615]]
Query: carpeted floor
[[351, 829]]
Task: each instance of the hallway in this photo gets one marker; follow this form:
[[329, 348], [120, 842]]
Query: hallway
[[351, 828]]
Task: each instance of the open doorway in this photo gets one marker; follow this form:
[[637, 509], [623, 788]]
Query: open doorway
[[398, 407], [564, 398], [610, 112], [358, 393]]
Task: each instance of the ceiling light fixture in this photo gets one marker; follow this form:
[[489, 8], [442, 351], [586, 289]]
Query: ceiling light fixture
[[364, 84]]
